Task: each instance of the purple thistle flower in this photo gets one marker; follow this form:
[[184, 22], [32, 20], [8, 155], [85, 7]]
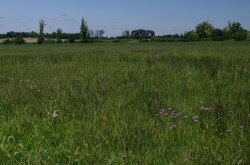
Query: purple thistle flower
[[173, 110], [174, 116], [195, 119], [163, 112], [207, 110]]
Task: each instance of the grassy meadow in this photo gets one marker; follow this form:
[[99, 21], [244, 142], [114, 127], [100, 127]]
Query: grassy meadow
[[125, 103]]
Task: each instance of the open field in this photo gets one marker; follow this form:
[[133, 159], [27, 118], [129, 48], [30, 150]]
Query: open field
[[28, 40], [110, 96]]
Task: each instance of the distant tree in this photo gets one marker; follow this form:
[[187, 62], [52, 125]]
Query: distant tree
[[191, 36], [11, 34], [84, 30], [142, 34], [176, 36], [236, 31], [34, 34], [226, 33], [234, 27], [41, 32], [204, 30], [72, 39], [126, 34], [19, 40], [59, 33], [218, 35], [8, 41], [91, 33], [99, 33], [240, 35]]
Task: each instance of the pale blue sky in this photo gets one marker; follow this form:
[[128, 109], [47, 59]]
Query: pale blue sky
[[114, 16]]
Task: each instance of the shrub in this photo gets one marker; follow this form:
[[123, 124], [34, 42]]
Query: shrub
[[72, 40], [218, 35], [40, 40], [50, 41], [19, 40], [191, 36], [204, 30], [248, 36], [142, 34], [226, 34], [164, 39], [8, 41], [90, 40], [240, 35], [59, 41]]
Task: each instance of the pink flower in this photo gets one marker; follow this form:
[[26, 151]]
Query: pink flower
[[207, 110], [163, 112], [195, 119]]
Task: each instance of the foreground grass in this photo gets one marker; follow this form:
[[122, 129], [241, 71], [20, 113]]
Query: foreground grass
[[110, 96]]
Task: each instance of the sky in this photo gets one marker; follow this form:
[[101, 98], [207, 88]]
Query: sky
[[115, 16]]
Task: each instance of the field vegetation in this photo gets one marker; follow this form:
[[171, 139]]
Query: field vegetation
[[125, 103]]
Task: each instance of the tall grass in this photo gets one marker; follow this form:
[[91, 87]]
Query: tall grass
[[125, 103]]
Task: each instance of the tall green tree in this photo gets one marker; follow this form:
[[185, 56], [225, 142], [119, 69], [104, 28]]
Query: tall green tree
[[126, 34], [142, 34], [59, 33], [84, 30], [190, 36], [236, 31], [240, 35], [204, 30], [219, 35], [41, 37], [234, 27]]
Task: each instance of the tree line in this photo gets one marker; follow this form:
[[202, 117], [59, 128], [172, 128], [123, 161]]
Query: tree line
[[85, 35], [204, 31]]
